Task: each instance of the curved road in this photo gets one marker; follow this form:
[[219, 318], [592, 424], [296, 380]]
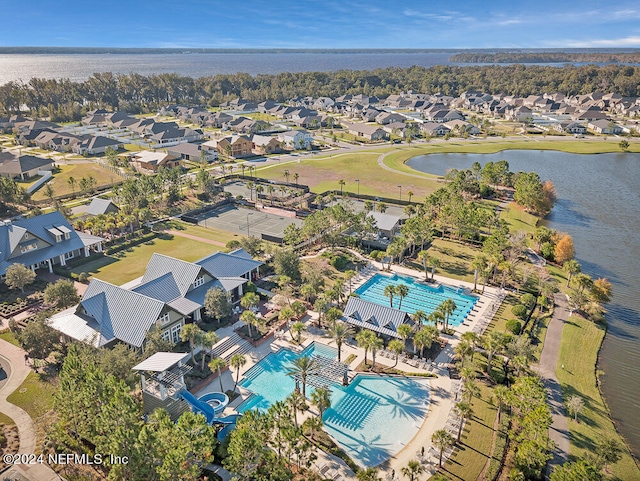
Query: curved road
[[14, 357], [559, 430]]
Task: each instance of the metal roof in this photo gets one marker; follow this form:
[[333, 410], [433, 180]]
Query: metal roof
[[376, 317], [160, 361], [184, 273], [100, 206], [78, 327], [127, 314], [385, 221], [221, 264]]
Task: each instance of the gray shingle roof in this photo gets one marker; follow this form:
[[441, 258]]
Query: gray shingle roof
[[376, 317], [100, 206], [119, 313], [15, 165]]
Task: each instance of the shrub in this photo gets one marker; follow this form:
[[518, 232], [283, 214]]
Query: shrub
[[514, 326], [519, 311], [82, 277], [339, 262], [233, 244]]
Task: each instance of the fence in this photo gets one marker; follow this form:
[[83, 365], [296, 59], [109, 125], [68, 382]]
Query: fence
[[46, 175]]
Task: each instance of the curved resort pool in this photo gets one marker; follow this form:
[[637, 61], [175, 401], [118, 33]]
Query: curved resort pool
[[421, 296], [372, 419]]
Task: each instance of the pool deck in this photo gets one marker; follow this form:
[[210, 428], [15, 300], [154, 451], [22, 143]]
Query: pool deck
[[442, 398]]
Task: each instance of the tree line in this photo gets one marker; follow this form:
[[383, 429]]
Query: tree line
[[65, 100], [546, 57]]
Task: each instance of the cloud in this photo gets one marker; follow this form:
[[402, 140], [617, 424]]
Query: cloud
[[511, 21], [631, 41]]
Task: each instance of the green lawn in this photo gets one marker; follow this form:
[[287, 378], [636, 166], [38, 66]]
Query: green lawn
[[10, 337], [499, 321], [61, 185], [4, 419], [128, 265], [34, 395], [323, 173], [455, 259], [217, 235], [467, 461], [519, 220], [579, 378]]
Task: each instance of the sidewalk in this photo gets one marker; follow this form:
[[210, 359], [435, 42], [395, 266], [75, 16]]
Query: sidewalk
[[14, 356], [559, 430]]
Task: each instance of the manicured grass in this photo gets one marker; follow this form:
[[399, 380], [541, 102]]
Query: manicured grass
[[455, 259], [34, 395], [10, 337], [519, 220], [128, 265], [579, 378], [4, 419], [61, 185], [323, 173], [467, 461], [217, 235], [499, 321]]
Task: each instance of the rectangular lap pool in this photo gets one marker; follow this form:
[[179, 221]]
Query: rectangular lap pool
[[421, 296], [372, 419]]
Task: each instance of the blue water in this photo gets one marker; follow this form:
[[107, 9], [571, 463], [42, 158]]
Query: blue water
[[268, 381], [372, 418], [421, 296]]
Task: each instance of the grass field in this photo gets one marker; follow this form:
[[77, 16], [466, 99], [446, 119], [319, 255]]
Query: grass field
[[323, 173], [455, 259], [128, 265], [519, 220], [499, 321], [579, 378], [467, 461], [10, 337], [34, 395], [209, 233], [61, 185]]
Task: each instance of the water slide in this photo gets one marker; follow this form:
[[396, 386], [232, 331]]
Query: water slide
[[210, 412]]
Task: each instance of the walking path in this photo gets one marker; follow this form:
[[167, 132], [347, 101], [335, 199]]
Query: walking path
[[195, 237], [14, 356], [559, 430]]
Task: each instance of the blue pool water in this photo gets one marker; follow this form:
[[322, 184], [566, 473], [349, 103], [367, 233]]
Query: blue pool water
[[421, 296], [372, 418]]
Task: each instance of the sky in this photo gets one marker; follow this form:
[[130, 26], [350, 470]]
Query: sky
[[322, 24]]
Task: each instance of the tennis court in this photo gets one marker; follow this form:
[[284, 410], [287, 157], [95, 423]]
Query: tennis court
[[246, 221]]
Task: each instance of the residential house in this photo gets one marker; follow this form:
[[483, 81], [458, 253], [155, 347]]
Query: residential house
[[384, 118], [519, 114], [97, 145], [605, 127], [265, 144], [147, 160], [235, 146], [434, 129], [380, 319], [58, 141], [43, 241], [590, 114], [570, 127], [461, 126], [369, 132], [192, 152], [170, 294], [298, 139], [22, 167], [388, 225]]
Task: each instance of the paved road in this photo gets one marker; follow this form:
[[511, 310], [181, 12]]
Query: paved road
[[14, 356], [559, 430]]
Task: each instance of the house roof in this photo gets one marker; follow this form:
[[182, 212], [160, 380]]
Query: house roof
[[100, 206], [221, 264], [99, 141], [79, 327], [120, 313], [15, 165], [160, 361], [183, 273], [376, 317], [43, 227], [384, 221]]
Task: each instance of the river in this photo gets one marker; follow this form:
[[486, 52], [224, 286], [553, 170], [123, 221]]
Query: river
[[598, 205]]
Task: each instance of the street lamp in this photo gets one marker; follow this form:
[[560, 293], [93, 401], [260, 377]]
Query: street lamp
[[400, 187], [248, 214], [358, 181]]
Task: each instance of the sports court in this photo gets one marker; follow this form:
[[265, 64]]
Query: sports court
[[247, 221]]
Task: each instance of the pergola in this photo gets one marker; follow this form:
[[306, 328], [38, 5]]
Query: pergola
[[328, 371]]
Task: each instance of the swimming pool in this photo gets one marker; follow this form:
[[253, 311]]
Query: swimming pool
[[421, 296], [372, 419]]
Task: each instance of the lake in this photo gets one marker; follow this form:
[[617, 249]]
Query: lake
[[598, 205]]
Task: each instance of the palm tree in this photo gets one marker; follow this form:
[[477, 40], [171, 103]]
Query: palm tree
[[341, 182], [492, 343], [286, 175], [571, 267], [424, 338], [193, 334], [217, 364], [349, 275], [473, 339], [405, 331], [435, 263], [297, 402], [410, 194], [72, 182], [424, 257], [364, 339], [462, 350], [470, 390], [389, 291], [250, 319], [396, 346], [374, 346], [402, 291], [340, 332], [208, 340], [448, 307], [463, 411], [501, 395], [413, 469], [442, 440], [478, 264], [312, 425], [419, 317], [298, 328], [302, 368], [296, 176], [321, 398], [368, 474], [236, 362]]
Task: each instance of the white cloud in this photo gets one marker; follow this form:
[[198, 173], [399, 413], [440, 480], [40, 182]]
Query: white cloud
[[511, 21], [632, 41]]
